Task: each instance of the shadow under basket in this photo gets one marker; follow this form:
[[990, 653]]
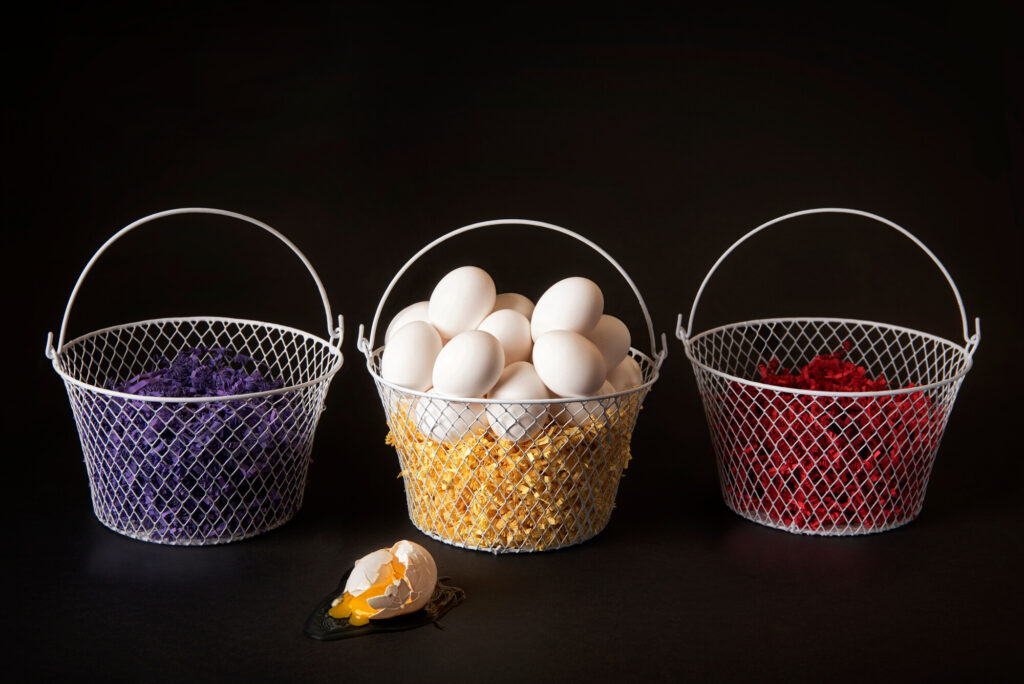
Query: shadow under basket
[[826, 463], [202, 470]]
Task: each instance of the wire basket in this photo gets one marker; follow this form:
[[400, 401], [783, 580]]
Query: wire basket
[[511, 477], [826, 463], [194, 471]]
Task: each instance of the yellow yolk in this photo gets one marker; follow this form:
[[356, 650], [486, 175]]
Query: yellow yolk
[[356, 608]]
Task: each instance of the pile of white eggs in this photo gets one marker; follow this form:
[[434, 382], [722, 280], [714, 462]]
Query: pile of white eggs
[[467, 341]]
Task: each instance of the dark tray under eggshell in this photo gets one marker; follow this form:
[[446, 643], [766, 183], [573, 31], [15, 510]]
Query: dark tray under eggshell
[[323, 627]]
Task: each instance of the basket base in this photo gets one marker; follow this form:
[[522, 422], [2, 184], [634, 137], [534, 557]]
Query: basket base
[[848, 531], [214, 541], [502, 550]]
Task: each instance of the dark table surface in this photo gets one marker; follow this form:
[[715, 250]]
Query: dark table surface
[[363, 132]]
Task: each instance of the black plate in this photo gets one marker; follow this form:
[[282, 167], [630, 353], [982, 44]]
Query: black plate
[[323, 627]]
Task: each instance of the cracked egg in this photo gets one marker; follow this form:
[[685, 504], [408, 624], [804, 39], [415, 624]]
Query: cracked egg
[[387, 583]]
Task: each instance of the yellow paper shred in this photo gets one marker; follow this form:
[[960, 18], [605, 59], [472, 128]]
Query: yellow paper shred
[[497, 494]]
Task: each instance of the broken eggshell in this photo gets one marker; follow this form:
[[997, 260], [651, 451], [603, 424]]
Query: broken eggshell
[[404, 594]]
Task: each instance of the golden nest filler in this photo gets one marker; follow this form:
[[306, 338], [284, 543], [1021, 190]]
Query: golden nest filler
[[496, 494]]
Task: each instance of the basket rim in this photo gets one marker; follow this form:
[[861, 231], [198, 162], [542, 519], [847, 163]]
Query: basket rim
[[966, 359], [325, 376], [488, 402]]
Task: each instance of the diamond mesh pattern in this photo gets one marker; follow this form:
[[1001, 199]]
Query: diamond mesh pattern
[[511, 477], [819, 464], [239, 467]]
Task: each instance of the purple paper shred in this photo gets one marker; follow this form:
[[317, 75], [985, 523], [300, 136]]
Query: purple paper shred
[[204, 471]]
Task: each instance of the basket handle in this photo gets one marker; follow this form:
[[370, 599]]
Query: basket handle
[[971, 341], [334, 334], [366, 345]]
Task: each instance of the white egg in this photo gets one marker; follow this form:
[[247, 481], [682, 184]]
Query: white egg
[[573, 304], [409, 357], [626, 375], [469, 365], [568, 363], [461, 300], [403, 592], [447, 421], [514, 301], [517, 422], [413, 312], [581, 412], [611, 337], [513, 331]]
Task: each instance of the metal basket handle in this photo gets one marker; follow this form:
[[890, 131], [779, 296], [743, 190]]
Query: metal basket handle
[[971, 341], [334, 334], [366, 345]]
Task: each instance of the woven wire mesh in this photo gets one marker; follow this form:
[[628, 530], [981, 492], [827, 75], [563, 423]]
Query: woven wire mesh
[[814, 463], [511, 477], [196, 472]]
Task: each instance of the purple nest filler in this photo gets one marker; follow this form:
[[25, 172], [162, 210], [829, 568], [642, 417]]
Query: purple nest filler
[[192, 470]]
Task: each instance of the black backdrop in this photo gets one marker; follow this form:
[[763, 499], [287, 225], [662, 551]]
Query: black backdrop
[[362, 132]]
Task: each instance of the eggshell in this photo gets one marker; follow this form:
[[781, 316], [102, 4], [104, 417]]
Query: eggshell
[[393, 602], [409, 357], [366, 572], [626, 375], [461, 300], [514, 301], [469, 365], [447, 421], [611, 337], [421, 578], [579, 412], [413, 312], [513, 331], [573, 304], [401, 596], [518, 422], [568, 363]]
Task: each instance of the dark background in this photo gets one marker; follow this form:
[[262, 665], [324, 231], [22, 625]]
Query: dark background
[[364, 131]]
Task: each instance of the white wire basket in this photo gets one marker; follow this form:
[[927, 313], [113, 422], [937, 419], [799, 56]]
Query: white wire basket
[[511, 477], [826, 463], [196, 470]]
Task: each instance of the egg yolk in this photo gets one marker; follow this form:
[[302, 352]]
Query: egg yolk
[[356, 608]]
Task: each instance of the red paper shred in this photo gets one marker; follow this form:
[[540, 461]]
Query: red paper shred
[[819, 463]]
